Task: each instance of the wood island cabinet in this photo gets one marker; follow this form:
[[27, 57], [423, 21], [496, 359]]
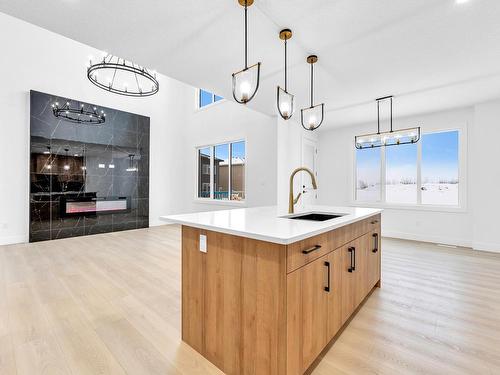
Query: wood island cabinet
[[254, 307]]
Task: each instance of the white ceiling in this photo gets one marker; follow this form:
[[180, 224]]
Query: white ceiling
[[430, 54]]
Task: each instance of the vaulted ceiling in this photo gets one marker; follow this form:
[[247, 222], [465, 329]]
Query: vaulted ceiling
[[430, 54]]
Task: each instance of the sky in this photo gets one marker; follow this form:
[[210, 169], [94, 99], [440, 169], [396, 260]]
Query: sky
[[368, 164], [439, 160], [401, 162], [440, 156], [222, 151]]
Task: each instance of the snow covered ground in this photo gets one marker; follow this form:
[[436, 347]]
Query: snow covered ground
[[432, 194], [440, 194], [370, 194]]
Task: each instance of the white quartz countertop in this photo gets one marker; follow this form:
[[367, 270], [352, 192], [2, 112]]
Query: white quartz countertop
[[268, 223]]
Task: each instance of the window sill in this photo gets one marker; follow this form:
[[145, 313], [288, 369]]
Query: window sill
[[431, 208], [220, 202]]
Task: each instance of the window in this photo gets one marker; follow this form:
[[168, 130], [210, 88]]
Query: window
[[221, 171], [425, 173], [440, 168], [401, 174], [238, 171], [206, 98], [368, 174], [204, 164]]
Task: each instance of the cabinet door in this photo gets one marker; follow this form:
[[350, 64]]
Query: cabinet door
[[307, 314], [361, 249], [335, 293], [373, 271], [348, 284]]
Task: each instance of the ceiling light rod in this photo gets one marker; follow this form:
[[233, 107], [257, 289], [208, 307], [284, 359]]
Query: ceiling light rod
[[285, 100], [312, 77], [246, 32], [244, 89], [285, 34], [311, 114], [388, 138], [378, 110]]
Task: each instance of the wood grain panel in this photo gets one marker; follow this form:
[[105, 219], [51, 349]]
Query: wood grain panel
[[297, 259], [243, 322], [373, 259], [335, 294], [348, 283], [328, 241], [193, 284], [362, 246], [307, 307]]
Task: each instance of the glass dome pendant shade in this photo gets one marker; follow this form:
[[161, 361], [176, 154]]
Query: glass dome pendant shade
[[246, 81], [285, 100], [388, 138], [312, 117]]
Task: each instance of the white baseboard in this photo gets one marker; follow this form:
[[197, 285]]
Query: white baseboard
[[10, 240], [157, 223], [426, 238], [486, 246]]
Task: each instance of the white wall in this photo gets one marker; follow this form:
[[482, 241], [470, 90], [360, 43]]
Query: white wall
[[47, 62], [472, 226], [290, 135], [485, 176], [228, 121]]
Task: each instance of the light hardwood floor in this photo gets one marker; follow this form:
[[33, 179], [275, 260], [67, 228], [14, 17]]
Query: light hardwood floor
[[110, 304]]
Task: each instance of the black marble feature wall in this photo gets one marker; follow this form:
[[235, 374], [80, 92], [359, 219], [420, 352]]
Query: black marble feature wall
[[86, 179]]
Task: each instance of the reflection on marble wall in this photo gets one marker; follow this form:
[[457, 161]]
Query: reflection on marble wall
[[86, 179]]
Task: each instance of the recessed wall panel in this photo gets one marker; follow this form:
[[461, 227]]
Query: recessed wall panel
[[85, 178]]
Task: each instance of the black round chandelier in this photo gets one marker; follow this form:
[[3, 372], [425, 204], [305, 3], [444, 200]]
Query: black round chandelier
[[122, 77], [81, 115]]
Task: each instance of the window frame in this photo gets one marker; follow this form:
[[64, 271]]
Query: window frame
[[462, 178], [197, 100], [211, 199]]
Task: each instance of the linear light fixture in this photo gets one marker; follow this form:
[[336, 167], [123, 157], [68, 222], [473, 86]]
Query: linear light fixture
[[388, 138]]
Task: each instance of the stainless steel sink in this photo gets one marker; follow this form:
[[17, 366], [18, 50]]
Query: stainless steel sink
[[314, 216]]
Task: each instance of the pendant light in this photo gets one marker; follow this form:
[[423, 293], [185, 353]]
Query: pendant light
[[312, 117], [66, 164], [246, 81], [389, 138], [284, 99], [48, 162], [131, 163]]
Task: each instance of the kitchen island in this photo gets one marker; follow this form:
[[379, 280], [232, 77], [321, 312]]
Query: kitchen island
[[264, 292]]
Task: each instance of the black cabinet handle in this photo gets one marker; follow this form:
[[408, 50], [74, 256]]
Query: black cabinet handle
[[351, 252], [354, 251], [374, 222], [375, 237], [310, 250], [327, 288]]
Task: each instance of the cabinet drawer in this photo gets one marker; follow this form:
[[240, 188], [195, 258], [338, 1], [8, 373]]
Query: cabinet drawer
[[303, 252], [343, 235], [373, 223]]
